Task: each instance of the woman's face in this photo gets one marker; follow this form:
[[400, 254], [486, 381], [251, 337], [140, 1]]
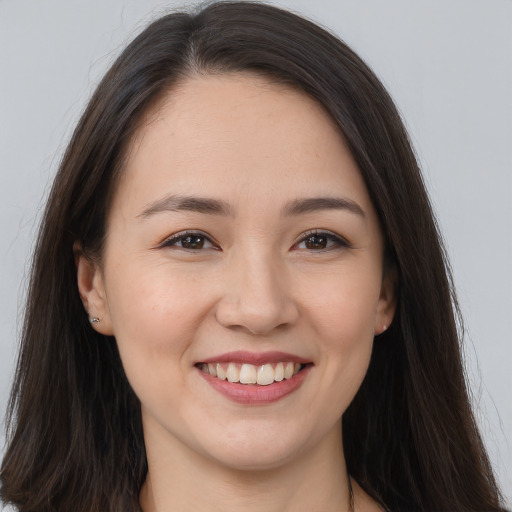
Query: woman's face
[[241, 234]]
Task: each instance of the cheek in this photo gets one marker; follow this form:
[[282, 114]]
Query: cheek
[[154, 324], [344, 320], [344, 308], [154, 318]]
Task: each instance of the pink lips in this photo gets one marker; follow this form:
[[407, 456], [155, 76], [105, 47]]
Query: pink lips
[[249, 394], [256, 359]]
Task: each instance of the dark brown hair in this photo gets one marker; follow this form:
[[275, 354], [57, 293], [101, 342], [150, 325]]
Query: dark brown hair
[[75, 434]]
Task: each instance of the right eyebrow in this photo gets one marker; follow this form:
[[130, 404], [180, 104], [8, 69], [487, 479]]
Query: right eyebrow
[[174, 203], [313, 204]]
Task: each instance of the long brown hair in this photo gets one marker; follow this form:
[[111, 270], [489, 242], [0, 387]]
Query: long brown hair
[[75, 432]]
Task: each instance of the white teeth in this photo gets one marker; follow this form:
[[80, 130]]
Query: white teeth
[[288, 370], [233, 373], [279, 372], [221, 373], [262, 375], [266, 375], [248, 374]]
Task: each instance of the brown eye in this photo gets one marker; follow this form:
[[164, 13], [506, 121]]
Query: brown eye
[[321, 241], [316, 242], [189, 241], [192, 242]]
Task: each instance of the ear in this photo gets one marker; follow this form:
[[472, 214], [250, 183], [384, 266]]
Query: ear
[[387, 301], [92, 290]]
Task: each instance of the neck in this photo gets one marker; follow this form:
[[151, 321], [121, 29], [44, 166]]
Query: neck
[[182, 480]]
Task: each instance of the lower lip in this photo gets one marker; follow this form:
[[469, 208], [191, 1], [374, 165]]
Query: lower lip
[[254, 394]]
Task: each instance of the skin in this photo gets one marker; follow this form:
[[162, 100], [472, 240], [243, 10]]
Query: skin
[[255, 285]]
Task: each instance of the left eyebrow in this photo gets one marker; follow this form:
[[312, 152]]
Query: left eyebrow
[[313, 204], [175, 203]]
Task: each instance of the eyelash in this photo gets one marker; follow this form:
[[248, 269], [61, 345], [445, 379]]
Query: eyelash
[[336, 241], [173, 240]]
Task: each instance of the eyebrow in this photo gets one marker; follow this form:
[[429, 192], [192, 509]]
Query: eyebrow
[[313, 204], [176, 203]]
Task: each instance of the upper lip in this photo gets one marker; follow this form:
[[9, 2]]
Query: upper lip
[[255, 358]]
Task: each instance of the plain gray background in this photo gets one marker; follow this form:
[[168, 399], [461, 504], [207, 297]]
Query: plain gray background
[[448, 65]]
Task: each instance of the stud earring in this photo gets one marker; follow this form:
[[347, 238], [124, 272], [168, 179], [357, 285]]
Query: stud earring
[[94, 319], [382, 331]]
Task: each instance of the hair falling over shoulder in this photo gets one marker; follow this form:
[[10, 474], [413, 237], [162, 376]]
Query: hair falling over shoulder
[[75, 439]]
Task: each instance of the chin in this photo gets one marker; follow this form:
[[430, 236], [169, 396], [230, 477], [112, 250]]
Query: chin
[[269, 448], [254, 460]]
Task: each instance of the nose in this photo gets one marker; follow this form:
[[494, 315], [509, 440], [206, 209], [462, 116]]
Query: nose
[[257, 296]]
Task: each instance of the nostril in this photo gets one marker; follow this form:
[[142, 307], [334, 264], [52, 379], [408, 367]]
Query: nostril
[[256, 319]]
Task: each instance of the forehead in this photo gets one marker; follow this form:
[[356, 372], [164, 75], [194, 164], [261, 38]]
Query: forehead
[[238, 135]]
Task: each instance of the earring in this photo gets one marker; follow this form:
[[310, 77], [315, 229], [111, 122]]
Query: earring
[[94, 319], [382, 331]]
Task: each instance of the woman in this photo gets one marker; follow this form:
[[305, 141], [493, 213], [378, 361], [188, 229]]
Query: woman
[[239, 297]]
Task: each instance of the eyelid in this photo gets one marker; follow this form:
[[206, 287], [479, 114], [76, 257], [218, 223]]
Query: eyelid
[[171, 240], [338, 239]]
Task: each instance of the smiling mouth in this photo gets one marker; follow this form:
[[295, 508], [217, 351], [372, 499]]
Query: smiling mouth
[[244, 373]]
